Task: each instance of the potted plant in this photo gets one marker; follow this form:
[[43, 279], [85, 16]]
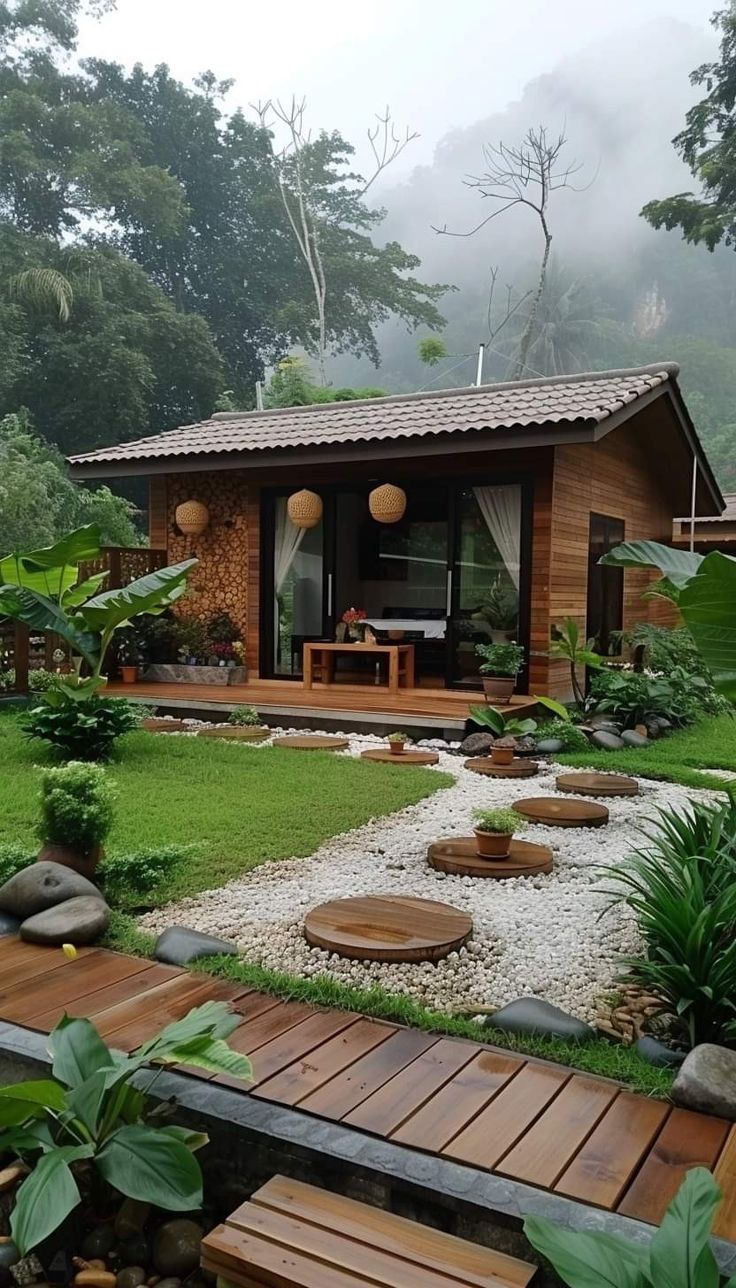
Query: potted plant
[[129, 655], [76, 816], [494, 830], [501, 611], [396, 742], [500, 665], [502, 751], [353, 619]]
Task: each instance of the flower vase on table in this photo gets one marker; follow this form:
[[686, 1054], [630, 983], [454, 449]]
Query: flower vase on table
[[354, 619]]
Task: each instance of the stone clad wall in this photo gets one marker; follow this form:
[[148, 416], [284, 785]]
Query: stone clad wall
[[220, 583]]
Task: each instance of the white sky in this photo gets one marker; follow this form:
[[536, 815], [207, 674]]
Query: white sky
[[437, 64]]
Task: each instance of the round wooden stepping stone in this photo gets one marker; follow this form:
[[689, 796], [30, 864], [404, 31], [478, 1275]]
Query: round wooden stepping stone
[[312, 742], [157, 724], [458, 857], [241, 733], [561, 813], [411, 757], [598, 784], [387, 928], [517, 769]]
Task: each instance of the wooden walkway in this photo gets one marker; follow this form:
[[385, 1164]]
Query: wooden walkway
[[537, 1123]]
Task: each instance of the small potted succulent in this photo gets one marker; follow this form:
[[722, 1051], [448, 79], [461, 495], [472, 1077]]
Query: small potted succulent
[[76, 816], [396, 742], [494, 831], [500, 665]]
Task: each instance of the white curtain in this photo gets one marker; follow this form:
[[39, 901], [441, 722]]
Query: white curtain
[[501, 509], [287, 541]]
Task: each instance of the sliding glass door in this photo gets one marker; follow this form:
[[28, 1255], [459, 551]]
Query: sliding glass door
[[484, 591], [298, 581]]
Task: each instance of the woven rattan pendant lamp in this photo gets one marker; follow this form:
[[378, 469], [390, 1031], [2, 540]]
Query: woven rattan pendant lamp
[[387, 503]]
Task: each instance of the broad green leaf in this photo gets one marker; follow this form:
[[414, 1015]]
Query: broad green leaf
[[708, 605], [588, 1260], [77, 1051], [678, 566], [489, 718], [157, 589], [73, 548], [559, 708], [40, 613], [24, 1100], [212, 1019], [52, 570], [149, 1164], [75, 688], [193, 1140], [212, 1054], [85, 590], [680, 1253], [27, 1139], [85, 1100], [46, 1197]]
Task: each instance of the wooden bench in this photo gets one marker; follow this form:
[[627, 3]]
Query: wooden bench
[[291, 1235], [321, 657]]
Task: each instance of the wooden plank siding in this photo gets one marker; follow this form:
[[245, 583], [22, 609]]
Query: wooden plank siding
[[158, 516]]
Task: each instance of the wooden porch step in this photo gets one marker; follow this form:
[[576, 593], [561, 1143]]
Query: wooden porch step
[[292, 1235]]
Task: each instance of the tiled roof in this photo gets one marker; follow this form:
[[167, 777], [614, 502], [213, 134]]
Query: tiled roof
[[581, 399]]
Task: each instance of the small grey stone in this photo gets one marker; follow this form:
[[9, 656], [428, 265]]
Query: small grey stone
[[178, 945], [633, 739], [131, 1217], [98, 1243], [532, 1015], [657, 1053], [607, 741], [176, 1247], [548, 746], [477, 744], [130, 1277], [9, 925], [602, 721], [41, 886], [706, 1081], [77, 921]]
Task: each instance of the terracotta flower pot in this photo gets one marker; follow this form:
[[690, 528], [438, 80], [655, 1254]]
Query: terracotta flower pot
[[493, 845], [396, 748], [129, 674], [69, 857], [498, 687], [502, 755]]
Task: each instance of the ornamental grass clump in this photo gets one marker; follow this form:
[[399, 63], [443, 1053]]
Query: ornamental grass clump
[[76, 807], [682, 888]]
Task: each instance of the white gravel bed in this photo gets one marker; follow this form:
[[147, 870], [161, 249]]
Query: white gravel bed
[[540, 936]]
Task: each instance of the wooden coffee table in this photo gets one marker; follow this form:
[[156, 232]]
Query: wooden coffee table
[[321, 657]]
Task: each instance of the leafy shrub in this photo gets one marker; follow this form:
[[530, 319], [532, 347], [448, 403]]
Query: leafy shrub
[[572, 738], [679, 1253], [398, 736], [82, 730], [76, 806], [634, 697], [682, 888], [673, 651], [221, 629], [133, 880], [505, 821], [500, 659], [488, 717], [40, 680], [12, 859], [7, 679], [89, 1126], [244, 716]]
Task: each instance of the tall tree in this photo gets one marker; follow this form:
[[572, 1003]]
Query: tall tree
[[708, 146]]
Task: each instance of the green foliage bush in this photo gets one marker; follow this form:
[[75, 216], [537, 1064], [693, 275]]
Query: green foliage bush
[[682, 888], [244, 716], [82, 730], [40, 680], [12, 859], [76, 806], [135, 880], [572, 738], [635, 697], [673, 652], [500, 659]]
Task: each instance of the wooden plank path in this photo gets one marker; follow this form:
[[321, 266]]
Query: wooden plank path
[[533, 1122]]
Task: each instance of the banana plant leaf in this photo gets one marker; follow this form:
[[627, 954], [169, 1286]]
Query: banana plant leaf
[[40, 613], [149, 594], [678, 566], [708, 605], [52, 570]]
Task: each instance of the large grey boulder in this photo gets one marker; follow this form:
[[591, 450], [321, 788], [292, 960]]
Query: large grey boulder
[[606, 740], [548, 746], [77, 921], [603, 721], [178, 945], [633, 739], [533, 1016], [477, 744], [41, 886], [707, 1081]]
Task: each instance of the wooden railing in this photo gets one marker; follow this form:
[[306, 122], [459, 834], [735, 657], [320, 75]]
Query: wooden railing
[[22, 652]]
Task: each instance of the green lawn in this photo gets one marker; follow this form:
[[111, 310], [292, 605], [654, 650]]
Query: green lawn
[[679, 758], [237, 806]]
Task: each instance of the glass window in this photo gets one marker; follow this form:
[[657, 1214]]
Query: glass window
[[487, 573]]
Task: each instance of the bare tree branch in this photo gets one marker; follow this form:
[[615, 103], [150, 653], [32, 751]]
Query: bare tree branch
[[386, 145]]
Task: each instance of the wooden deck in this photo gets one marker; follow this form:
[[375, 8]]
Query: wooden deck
[[538, 1123], [439, 707]]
